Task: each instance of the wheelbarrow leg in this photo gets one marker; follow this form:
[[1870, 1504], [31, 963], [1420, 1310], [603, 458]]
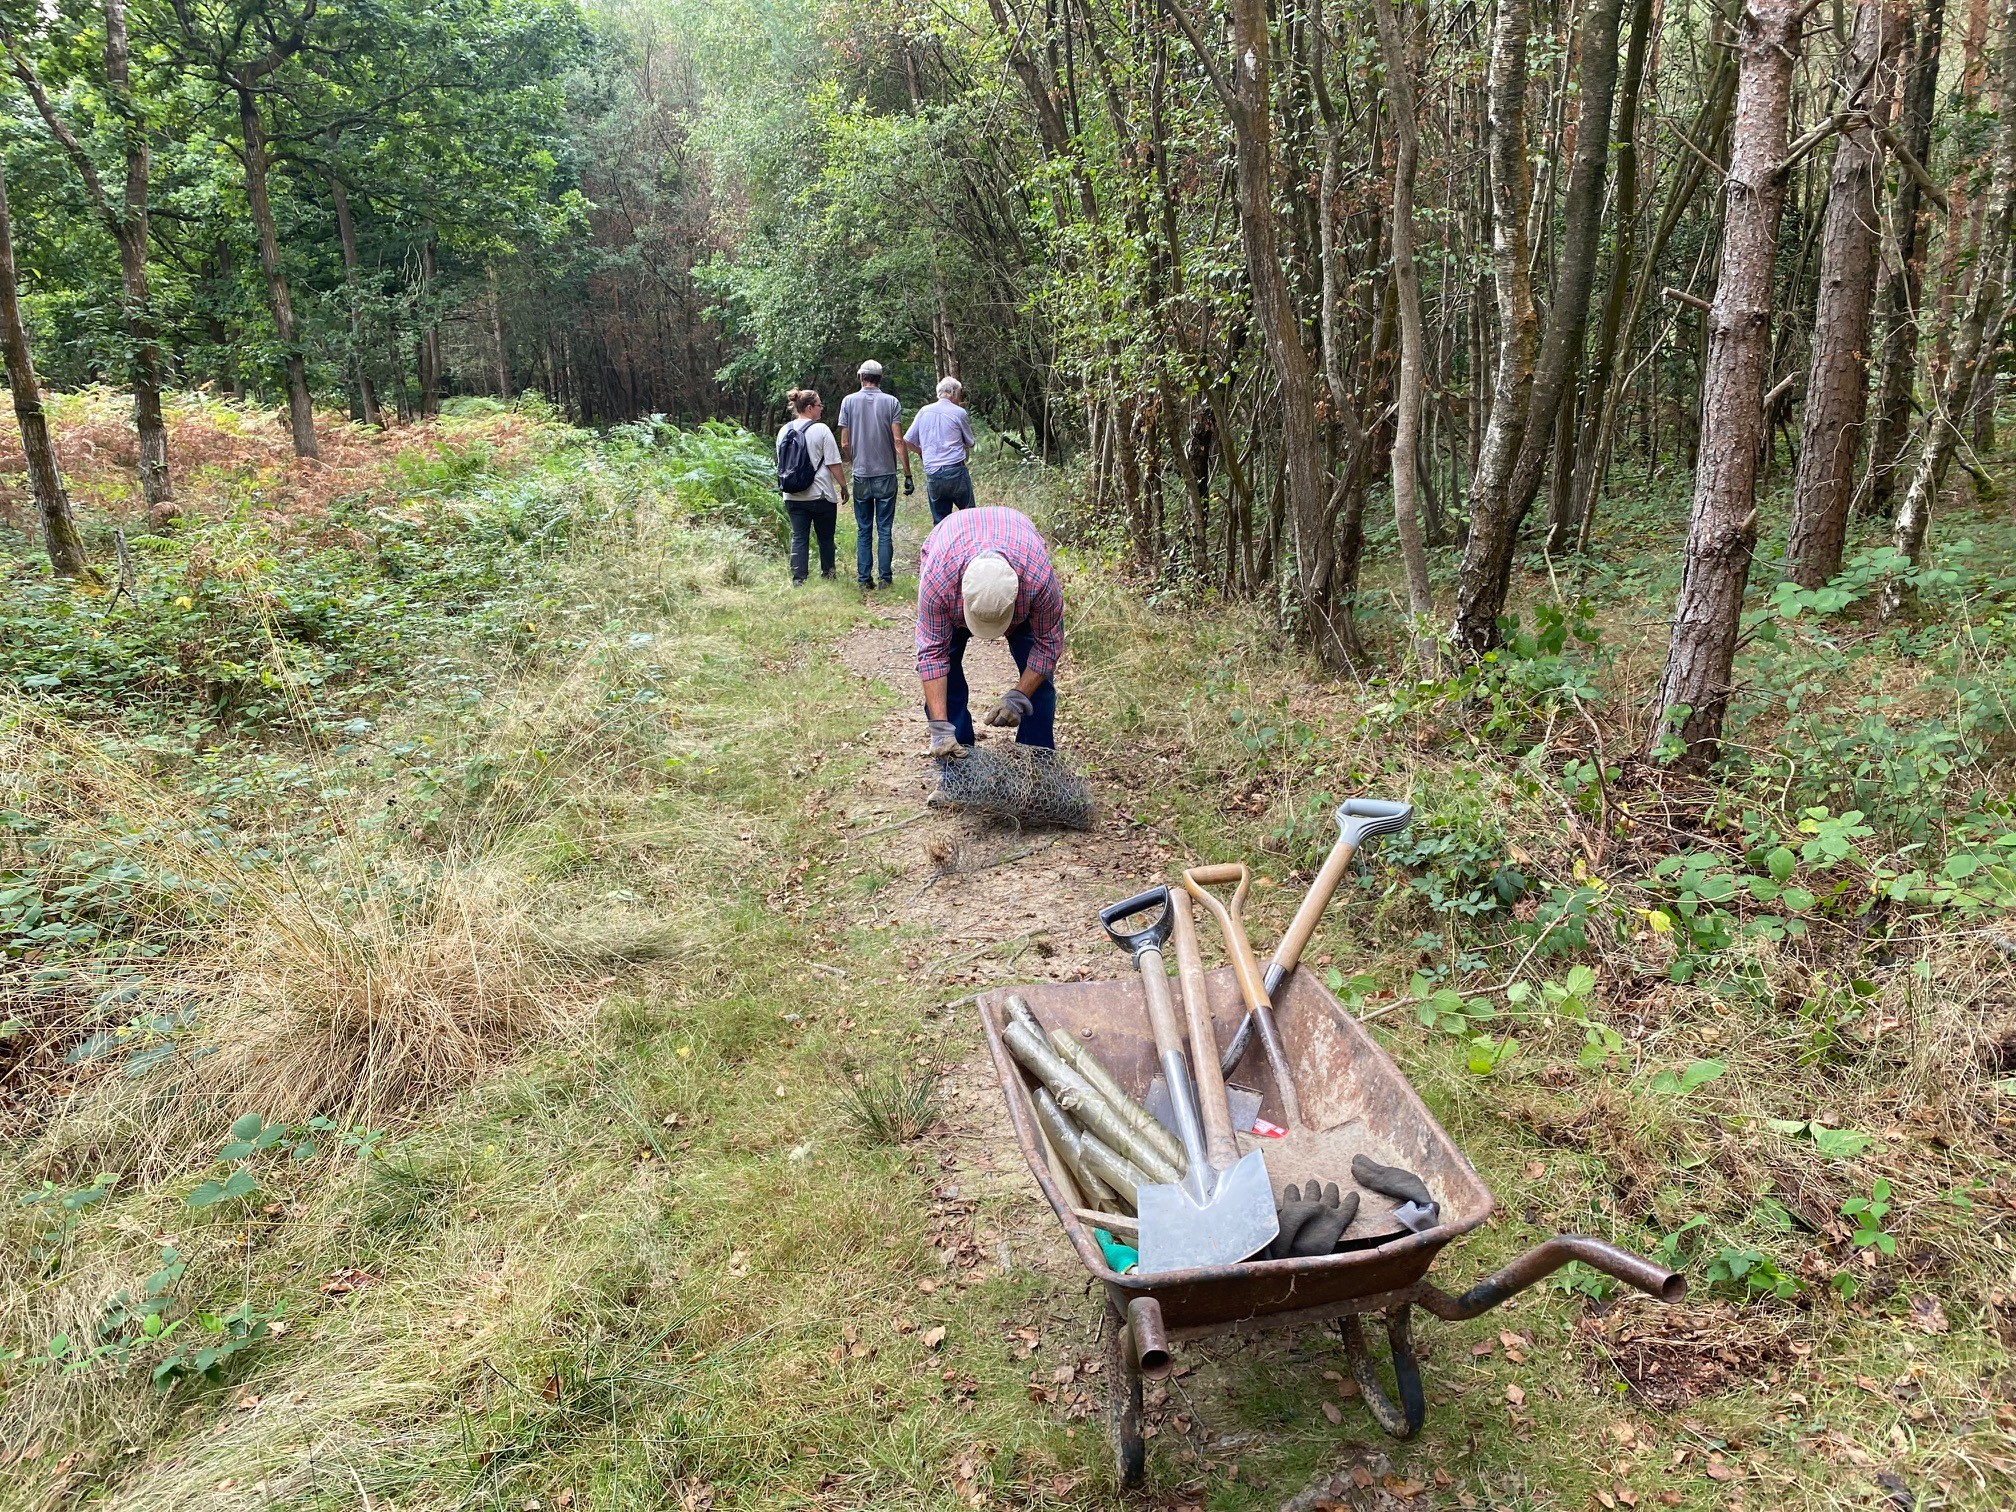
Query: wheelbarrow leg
[[1404, 1421], [1123, 1401]]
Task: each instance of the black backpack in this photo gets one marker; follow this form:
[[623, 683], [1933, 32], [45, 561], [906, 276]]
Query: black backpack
[[795, 471]]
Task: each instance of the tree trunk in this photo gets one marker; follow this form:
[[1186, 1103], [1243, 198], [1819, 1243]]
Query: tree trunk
[[1487, 560], [1248, 98], [45, 479], [1722, 528], [360, 372], [300, 407], [1979, 324], [157, 488], [1837, 385], [430, 333], [126, 223], [499, 352], [1575, 274], [1564, 518], [1408, 394], [1904, 291], [1710, 126]]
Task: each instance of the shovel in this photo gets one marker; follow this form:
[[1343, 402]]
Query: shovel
[[1211, 1216], [1358, 820], [1197, 882]]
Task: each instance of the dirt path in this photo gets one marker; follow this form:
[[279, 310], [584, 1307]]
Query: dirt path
[[996, 904]]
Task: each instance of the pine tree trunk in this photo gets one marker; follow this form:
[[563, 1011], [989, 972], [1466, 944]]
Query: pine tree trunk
[[1973, 337], [45, 479], [300, 406], [1904, 291], [1722, 528], [1837, 385], [1575, 274], [1487, 559], [1409, 391], [500, 353]]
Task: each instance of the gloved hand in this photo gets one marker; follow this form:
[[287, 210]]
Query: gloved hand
[[1013, 708], [945, 740], [1393, 1181], [909, 485]]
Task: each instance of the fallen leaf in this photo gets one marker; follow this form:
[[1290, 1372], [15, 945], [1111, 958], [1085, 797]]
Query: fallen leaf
[[1514, 1341], [933, 1337], [738, 1263], [1607, 1499], [1330, 1411], [1442, 1477], [1482, 1347], [1927, 1316], [927, 1286], [1535, 1169], [1718, 1471], [1515, 1395], [1361, 1477]]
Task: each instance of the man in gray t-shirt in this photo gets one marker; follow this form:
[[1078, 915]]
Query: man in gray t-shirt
[[942, 434], [871, 435]]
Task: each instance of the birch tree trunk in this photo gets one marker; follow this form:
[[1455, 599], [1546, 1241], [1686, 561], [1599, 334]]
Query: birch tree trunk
[[1979, 324], [1407, 286], [45, 479], [1722, 528], [1487, 558], [1837, 385]]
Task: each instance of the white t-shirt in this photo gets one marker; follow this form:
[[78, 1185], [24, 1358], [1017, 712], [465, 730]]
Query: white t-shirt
[[824, 452]]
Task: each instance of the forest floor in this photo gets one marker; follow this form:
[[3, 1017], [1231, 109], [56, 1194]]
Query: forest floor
[[622, 901]]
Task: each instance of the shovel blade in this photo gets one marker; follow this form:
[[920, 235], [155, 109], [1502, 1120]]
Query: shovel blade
[[1235, 1222]]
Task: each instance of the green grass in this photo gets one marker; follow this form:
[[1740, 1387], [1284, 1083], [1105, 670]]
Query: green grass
[[651, 1256]]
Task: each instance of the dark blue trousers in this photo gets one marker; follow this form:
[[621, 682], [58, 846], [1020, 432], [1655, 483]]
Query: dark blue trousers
[[1039, 729]]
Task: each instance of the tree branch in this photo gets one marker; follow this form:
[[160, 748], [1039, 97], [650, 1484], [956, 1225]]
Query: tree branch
[[1181, 16], [72, 149]]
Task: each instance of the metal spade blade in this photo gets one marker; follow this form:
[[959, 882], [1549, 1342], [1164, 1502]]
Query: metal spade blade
[[1234, 1223]]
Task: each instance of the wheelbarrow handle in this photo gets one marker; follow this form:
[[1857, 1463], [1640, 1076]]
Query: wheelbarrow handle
[[1545, 1259], [1135, 941]]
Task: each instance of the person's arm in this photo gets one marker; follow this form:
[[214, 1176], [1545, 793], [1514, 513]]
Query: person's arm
[[902, 448], [1046, 633], [846, 442], [966, 433]]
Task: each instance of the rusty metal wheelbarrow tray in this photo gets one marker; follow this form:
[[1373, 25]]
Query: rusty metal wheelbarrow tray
[[1354, 1101]]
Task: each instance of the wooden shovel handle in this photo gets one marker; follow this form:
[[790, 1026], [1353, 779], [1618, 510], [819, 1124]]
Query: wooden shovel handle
[[1197, 882], [1289, 953], [1221, 1147]]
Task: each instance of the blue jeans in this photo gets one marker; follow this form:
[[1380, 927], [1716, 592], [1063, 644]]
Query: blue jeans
[[1039, 729], [948, 489], [875, 510]]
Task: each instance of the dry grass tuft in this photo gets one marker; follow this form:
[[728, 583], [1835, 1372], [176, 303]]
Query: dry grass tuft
[[370, 1005]]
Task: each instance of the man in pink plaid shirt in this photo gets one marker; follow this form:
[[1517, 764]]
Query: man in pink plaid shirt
[[986, 572]]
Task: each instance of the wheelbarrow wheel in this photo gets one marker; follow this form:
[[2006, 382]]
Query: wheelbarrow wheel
[[1402, 1421], [1123, 1402]]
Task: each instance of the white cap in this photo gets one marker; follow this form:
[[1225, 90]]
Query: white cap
[[987, 590], [869, 369]]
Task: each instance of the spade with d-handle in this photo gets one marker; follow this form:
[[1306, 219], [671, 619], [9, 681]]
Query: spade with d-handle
[[1210, 1217], [1358, 820]]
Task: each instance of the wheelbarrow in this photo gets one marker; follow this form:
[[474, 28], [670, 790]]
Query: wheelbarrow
[[1354, 1101]]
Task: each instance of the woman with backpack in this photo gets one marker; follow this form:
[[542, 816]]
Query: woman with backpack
[[813, 479]]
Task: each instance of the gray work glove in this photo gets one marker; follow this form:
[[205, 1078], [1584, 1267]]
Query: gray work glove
[[1013, 708], [945, 740]]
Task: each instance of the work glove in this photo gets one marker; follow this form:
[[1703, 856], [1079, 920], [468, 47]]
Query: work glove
[[1393, 1181], [945, 739], [909, 485], [1312, 1220], [1013, 708]]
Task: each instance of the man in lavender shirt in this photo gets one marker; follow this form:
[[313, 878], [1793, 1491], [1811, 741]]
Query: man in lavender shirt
[[943, 434]]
